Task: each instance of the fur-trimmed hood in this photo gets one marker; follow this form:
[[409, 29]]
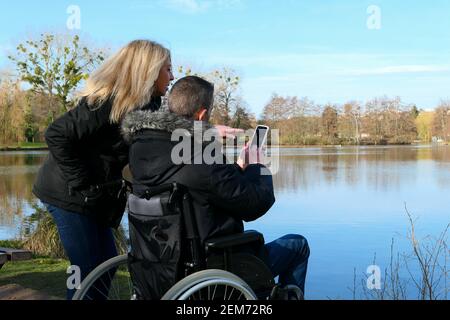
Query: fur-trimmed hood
[[162, 120]]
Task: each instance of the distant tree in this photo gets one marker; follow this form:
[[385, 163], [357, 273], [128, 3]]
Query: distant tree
[[297, 119], [388, 120], [414, 111], [220, 114], [441, 121], [302, 107], [407, 129], [373, 121], [242, 118], [276, 109], [392, 112], [227, 96], [350, 122], [54, 66], [226, 85], [30, 126], [12, 102], [424, 126], [330, 124]]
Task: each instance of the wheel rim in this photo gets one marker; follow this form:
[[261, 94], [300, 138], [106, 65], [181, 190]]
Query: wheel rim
[[119, 288], [217, 289], [200, 282], [109, 281]]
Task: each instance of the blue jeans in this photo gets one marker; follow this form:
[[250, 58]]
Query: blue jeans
[[288, 259], [86, 243]]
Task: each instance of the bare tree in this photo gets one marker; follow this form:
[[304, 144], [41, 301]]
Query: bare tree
[[12, 107], [441, 121], [227, 97], [275, 110], [352, 121]]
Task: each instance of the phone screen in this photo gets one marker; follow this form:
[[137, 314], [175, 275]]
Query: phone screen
[[260, 136]]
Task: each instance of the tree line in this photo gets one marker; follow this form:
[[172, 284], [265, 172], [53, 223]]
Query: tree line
[[50, 69], [381, 120]]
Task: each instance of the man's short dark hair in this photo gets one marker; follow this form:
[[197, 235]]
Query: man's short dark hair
[[189, 94]]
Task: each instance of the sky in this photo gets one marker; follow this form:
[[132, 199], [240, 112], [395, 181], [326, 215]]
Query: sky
[[331, 51]]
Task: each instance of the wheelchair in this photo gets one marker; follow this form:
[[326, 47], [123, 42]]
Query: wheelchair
[[217, 269]]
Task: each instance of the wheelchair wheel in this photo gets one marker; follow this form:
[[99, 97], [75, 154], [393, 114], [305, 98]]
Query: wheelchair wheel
[[211, 284], [109, 281]]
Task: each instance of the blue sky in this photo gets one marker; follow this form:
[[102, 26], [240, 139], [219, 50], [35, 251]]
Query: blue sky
[[320, 49]]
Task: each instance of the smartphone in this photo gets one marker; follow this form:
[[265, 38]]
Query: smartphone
[[259, 137]]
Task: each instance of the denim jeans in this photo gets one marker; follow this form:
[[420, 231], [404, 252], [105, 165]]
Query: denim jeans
[[288, 259], [86, 243]]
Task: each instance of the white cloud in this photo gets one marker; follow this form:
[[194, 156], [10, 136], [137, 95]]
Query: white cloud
[[401, 69], [199, 6], [280, 66], [188, 6], [291, 60]]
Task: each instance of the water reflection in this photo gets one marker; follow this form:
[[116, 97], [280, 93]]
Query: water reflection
[[380, 169], [17, 174], [348, 202]]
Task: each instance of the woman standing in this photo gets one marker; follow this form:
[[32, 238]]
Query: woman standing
[[80, 181]]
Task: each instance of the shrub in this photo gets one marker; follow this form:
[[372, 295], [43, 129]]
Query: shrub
[[40, 235]]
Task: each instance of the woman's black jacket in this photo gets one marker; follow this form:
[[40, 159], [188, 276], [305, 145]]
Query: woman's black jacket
[[82, 173]]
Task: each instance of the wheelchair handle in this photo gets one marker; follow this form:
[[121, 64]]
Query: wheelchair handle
[[160, 189]]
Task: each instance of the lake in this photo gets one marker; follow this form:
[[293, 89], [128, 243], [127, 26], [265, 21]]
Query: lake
[[349, 202]]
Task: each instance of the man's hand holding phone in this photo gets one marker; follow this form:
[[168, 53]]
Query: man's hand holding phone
[[253, 152], [250, 155]]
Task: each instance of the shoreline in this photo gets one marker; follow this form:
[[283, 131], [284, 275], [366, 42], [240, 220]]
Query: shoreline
[[8, 149], [23, 149]]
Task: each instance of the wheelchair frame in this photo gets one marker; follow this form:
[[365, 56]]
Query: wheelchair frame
[[214, 264]]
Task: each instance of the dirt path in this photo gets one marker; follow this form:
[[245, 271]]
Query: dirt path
[[17, 292]]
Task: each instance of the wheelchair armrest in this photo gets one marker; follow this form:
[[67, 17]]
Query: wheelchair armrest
[[233, 240]]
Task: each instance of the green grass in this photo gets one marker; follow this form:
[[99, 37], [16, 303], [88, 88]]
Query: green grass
[[14, 244], [48, 275], [41, 274], [24, 145]]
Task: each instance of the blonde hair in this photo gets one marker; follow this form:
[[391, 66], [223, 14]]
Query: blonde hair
[[128, 77]]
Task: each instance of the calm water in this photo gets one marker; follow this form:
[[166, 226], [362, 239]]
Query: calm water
[[348, 202]]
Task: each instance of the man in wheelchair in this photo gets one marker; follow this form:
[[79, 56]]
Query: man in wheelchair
[[199, 201]]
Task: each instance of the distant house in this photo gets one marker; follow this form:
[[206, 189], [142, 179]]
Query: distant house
[[437, 140]]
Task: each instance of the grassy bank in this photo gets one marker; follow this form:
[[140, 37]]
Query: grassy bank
[[24, 146], [41, 273]]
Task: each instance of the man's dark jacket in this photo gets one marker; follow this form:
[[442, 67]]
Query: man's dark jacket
[[223, 195], [83, 170]]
